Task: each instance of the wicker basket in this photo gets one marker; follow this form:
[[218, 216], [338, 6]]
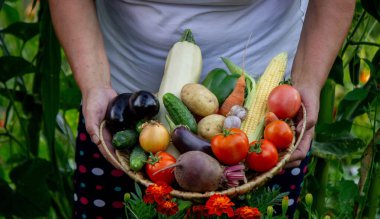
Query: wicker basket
[[120, 159]]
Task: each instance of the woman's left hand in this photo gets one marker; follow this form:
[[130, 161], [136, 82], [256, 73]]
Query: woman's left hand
[[310, 99]]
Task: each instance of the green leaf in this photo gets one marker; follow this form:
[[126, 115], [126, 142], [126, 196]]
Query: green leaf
[[22, 30], [356, 94], [343, 196], [336, 72], [138, 190], [49, 65], [31, 197], [71, 92], [264, 197], [354, 67], [1, 4], [11, 13], [372, 7], [139, 210], [338, 148], [11, 66], [376, 64], [327, 131], [34, 125], [349, 109], [183, 205]]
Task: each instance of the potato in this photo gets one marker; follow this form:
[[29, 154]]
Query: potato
[[210, 125], [199, 99]]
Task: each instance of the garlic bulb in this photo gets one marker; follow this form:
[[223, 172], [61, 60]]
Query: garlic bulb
[[232, 122], [238, 111]]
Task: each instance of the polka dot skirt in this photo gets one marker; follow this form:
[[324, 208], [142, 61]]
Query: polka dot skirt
[[290, 180], [99, 187]]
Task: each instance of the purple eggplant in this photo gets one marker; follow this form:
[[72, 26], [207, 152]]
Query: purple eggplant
[[119, 117], [184, 140]]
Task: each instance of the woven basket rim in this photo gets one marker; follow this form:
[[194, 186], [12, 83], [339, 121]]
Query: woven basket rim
[[119, 160]]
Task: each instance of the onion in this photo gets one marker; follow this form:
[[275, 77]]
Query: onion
[[154, 137]]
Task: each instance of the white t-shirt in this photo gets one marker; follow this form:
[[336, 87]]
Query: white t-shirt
[[138, 35]]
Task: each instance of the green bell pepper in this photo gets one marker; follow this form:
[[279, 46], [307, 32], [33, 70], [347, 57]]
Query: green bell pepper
[[220, 83]]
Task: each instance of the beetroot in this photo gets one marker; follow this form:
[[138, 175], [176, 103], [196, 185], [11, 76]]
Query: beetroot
[[196, 171]]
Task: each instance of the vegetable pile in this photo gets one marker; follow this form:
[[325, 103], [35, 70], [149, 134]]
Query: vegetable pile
[[205, 135]]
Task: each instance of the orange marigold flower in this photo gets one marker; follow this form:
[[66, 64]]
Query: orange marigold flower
[[167, 208], [197, 211], [148, 199], [158, 193], [219, 204], [247, 212]]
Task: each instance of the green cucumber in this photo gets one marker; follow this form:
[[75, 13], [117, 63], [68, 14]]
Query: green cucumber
[[125, 139], [139, 125], [178, 112], [137, 159]]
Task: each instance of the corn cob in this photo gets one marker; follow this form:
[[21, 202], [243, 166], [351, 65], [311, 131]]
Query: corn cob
[[273, 75]]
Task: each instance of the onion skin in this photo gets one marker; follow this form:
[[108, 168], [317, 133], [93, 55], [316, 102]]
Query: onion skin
[[154, 137]]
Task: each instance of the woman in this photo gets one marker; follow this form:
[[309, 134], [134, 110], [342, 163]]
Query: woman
[[116, 46]]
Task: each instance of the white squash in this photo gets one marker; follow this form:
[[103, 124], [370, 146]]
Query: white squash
[[183, 65]]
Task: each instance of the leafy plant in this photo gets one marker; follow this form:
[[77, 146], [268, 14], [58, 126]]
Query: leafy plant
[[348, 125], [36, 174]]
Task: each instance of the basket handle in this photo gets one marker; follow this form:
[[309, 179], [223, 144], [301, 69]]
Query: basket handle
[[303, 120], [107, 150]]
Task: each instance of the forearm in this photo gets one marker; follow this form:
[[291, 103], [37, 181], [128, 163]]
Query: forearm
[[76, 25], [326, 25]]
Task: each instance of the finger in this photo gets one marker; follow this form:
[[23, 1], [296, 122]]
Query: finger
[[304, 146], [293, 164], [92, 127]]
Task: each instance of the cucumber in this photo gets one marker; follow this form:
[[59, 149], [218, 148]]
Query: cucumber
[[139, 125], [178, 112], [125, 139], [137, 159]]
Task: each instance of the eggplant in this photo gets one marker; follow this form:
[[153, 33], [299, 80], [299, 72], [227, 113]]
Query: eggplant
[[184, 140], [119, 116], [144, 104]]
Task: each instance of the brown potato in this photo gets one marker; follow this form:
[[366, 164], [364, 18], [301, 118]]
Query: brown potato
[[199, 99], [210, 125]]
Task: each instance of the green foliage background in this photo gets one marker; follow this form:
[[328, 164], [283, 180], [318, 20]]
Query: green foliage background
[[38, 114]]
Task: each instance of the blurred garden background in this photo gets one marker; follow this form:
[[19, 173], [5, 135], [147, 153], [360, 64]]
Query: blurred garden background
[[39, 103]]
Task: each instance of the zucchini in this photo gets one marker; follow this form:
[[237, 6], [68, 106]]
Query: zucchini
[[125, 139], [178, 112], [137, 159], [183, 65]]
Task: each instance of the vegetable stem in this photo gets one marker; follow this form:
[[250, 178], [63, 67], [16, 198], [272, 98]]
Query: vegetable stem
[[187, 36], [170, 123]]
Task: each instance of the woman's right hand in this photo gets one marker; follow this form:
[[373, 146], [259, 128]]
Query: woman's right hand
[[94, 107]]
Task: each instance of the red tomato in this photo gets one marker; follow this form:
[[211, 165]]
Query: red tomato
[[279, 133], [284, 101], [230, 147], [157, 162], [263, 157]]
